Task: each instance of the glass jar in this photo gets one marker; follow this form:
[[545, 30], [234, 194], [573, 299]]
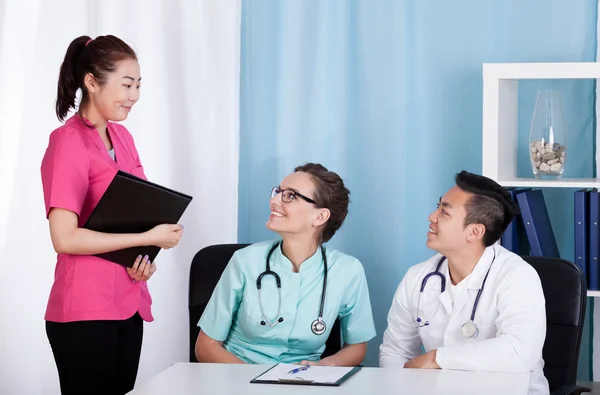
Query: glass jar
[[547, 136]]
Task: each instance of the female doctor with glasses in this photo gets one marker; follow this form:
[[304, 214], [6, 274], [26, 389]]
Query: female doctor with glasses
[[277, 300]]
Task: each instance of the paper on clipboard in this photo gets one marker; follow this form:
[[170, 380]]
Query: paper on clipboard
[[314, 374]]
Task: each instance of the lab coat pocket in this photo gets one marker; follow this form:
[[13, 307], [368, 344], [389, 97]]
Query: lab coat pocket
[[138, 172], [93, 284]]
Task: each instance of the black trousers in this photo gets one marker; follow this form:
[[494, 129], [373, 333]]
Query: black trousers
[[96, 357]]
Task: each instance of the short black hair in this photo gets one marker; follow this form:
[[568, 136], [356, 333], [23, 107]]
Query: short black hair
[[491, 205]]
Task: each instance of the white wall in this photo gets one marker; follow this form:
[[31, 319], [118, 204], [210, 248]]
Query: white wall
[[186, 129]]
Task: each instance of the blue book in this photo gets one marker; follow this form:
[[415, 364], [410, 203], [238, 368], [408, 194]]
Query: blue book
[[594, 241], [514, 237], [537, 224], [581, 247]]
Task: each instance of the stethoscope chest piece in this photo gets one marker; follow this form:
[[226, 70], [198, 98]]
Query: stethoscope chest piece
[[318, 326], [469, 329]]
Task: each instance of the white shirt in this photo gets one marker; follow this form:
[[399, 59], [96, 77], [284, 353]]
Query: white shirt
[[456, 289], [510, 317]]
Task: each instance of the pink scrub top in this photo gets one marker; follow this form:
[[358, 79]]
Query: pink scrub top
[[76, 170]]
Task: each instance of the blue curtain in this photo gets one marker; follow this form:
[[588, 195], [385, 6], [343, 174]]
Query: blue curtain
[[389, 95]]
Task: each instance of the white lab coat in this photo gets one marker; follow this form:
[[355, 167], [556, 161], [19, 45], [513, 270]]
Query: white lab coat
[[510, 317]]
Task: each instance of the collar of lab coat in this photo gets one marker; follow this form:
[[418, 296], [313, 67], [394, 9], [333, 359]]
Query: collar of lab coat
[[281, 262], [481, 269], [475, 281]]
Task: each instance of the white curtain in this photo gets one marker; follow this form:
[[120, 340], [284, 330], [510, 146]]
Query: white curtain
[[186, 130]]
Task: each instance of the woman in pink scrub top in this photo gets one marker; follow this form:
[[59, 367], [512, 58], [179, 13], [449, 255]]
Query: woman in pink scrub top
[[95, 313]]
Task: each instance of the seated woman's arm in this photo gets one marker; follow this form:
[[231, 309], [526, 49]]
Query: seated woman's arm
[[356, 320], [349, 355], [211, 350], [218, 316]]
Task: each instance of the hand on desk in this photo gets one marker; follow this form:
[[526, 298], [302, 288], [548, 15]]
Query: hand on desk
[[142, 269], [424, 361], [311, 363], [349, 355], [322, 362]]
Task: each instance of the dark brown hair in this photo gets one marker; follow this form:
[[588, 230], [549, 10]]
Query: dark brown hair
[[330, 193], [86, 55], [491, 205]]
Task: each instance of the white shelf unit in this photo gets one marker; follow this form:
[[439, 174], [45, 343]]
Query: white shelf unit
[[500, 121], [500, 118], [564, 183]]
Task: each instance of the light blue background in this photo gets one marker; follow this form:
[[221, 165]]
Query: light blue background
[[389, 95]]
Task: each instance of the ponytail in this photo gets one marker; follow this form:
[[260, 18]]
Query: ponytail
[[69, 80], [98, 57]]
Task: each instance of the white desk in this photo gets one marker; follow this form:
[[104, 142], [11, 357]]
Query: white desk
[[202, 378]]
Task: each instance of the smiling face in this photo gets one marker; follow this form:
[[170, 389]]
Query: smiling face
[[447, 230], [113, 100], [298, 216]]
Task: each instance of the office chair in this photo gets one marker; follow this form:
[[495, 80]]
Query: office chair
[[565, 290], [206, 269]]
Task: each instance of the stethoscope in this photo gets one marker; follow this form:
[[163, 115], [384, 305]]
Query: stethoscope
[[469, 328], [318, 326]]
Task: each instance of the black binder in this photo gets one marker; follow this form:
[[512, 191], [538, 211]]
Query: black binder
[[134, 205]]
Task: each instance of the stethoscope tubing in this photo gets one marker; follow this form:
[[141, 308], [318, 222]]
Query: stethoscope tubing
[[318, 326], [437, 272]]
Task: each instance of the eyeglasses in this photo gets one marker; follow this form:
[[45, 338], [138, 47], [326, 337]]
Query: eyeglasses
[[287, 195]]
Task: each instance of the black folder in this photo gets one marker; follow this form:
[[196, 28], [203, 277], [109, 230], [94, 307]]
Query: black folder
[[134, 205]]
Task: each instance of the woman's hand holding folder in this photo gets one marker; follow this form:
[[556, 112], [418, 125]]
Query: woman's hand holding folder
[[68, 238], [164, 236], [142, 269]]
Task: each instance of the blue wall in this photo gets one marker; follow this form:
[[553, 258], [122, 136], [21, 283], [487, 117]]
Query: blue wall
[[389, 95]]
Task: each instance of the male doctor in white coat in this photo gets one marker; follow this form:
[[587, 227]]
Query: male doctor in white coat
[[505, 332]]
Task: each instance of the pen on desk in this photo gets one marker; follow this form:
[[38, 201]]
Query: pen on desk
[[300, 369]]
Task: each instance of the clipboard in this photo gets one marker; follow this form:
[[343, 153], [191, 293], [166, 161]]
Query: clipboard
[[133, 205], [348, 372]]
